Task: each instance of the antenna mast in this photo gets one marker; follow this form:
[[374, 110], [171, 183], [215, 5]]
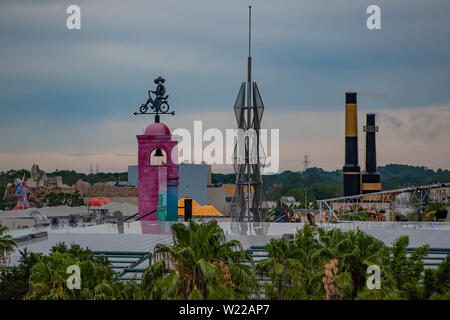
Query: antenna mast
[[306, 162], [249, 63], [249, 106], [248, 109]]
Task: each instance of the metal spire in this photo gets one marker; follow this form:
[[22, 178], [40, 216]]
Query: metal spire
[[249, 30], [247, 162], [249, 62]]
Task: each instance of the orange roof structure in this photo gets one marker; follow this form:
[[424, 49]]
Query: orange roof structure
[[198, 210]]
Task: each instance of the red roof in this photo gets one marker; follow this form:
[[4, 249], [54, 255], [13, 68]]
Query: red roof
[[99, 201]]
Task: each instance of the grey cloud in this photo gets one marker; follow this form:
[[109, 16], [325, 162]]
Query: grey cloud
[[63, 87], [126, 154], [320, 46], [80, 154], [426, 125], [393, 120], [382, 97]]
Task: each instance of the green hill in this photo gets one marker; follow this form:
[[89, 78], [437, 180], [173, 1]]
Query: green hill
[[321, 184]]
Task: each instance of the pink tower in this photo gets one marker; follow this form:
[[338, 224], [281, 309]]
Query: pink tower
[[157, 172]]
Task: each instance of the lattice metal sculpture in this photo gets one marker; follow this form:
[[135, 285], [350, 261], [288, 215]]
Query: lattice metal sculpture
[[159, 105], [249, 156]]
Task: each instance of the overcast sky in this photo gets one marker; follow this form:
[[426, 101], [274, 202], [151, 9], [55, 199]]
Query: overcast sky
[[67, 96]]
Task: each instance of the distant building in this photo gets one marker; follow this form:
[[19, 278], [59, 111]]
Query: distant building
[[217, 196], [221, 196], [197, 210], [118, 183], [194, 178], [133, 175], [39, 178]]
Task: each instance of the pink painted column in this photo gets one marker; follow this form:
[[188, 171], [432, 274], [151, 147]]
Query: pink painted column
[[157, 135]]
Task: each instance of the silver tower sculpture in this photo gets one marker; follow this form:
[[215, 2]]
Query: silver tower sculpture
[[249, 198]]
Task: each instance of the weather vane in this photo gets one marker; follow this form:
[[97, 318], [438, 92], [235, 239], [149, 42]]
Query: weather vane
[[159, 105]]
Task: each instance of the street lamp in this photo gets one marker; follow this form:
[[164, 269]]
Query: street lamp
[[419, 215], [306, 203]]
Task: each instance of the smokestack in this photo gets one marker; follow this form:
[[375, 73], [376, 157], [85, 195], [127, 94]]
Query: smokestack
[[352, 171], [371, 179]]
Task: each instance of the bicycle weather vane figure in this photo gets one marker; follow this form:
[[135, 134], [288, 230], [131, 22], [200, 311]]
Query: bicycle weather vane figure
[[159, 105]]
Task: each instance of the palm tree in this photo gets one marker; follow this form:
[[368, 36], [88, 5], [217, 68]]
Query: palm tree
[[355, 251], [48, 278], [281, 267], [201, 265], [311, 261], [7, 245]]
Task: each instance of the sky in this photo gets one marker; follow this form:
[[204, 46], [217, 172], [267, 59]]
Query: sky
[[67, 97]]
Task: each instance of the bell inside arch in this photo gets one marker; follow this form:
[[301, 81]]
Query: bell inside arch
[[159, 153]]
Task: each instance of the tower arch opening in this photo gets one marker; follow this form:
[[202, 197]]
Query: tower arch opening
[[158, 157]]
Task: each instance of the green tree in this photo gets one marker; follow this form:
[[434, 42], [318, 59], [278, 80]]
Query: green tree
[[436, 282], [53, 199], [355, 251], [408, 269], [7, 245], [202, 265], [49, 275], [283, 269], [14, 281]]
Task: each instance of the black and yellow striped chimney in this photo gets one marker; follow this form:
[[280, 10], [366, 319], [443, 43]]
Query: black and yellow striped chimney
[[371, 179], [352, 171]]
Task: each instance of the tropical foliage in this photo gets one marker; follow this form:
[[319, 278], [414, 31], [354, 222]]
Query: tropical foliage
[[201, 265], [431, 209], [316, 264], [14, 281], [53, 199], [333, 265], [308, 255], [48, 277]]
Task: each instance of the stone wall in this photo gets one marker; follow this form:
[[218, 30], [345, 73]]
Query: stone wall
[[100, 189]]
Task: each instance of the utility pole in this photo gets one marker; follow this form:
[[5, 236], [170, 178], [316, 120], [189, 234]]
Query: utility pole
[[306, 162], [306, 201]]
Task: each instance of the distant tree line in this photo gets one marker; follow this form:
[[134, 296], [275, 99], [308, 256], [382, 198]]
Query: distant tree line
[[321, 184], [316, 183], [70, 176]]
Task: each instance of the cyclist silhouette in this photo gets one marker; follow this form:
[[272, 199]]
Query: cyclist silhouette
[[160, 103], [160, 89]]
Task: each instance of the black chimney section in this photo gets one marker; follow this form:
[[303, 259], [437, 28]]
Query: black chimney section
[[371, 179], [352, 171]]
